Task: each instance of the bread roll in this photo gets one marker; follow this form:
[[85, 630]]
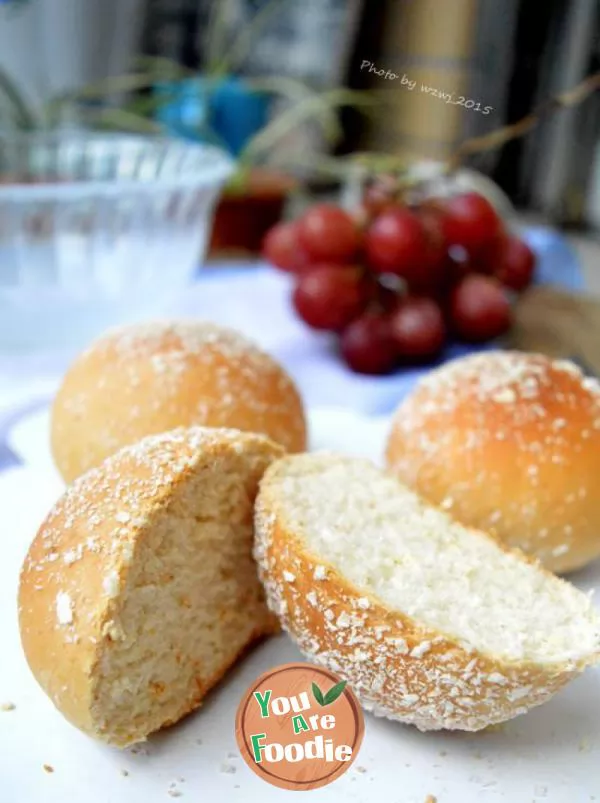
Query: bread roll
[[509, 443], [148, 378], [432, 623], [139, 590]]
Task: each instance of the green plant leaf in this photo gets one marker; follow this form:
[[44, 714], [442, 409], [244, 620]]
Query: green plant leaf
[[244, 41], [215, 39], [282, 85], [22, 113], [334, 692], [122, 120], [115, 85], [312, 107], [144, 105], [163, 68], [298, 92], [318, 694], [238, 183]]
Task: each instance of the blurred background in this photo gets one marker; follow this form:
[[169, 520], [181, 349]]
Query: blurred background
[[268, 106], [506, 56]]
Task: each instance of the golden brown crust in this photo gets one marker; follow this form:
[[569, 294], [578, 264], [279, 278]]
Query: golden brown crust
[[398, 668], [69, 592], [508, 443], [150, 378]]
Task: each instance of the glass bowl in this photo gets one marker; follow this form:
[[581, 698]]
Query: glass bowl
[[98, 229]]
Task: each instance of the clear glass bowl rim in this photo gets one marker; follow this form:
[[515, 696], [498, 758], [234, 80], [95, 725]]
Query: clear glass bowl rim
[[217, 166]]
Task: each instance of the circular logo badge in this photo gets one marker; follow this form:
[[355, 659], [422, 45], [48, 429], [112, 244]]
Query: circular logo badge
[[299, 726]]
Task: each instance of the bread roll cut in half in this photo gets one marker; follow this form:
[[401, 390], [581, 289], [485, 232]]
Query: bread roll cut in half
[[432, 623], [508, 442], [147, 378], [139, 590]]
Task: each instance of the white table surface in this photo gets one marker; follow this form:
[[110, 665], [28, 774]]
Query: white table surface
[[551, 755]]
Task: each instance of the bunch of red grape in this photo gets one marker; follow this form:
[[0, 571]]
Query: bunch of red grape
[[396, 282]]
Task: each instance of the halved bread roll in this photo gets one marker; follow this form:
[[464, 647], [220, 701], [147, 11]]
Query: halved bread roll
[[139, 590], [432, 623]]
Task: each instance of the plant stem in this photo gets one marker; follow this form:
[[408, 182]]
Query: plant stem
[[123, 120], [25, 116], [241, 45], [216, 34], [498, 138], [289, 119]]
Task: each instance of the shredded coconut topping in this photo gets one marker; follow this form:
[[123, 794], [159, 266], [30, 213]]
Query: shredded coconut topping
[[519, 422], [64, 608], [189, 372], [110, 584], [448, 609]]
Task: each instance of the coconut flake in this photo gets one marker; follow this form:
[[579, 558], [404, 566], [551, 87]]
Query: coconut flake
[[64, 608]]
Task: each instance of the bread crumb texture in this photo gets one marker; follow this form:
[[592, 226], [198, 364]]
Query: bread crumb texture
[[509, 442], [139, 590], [431, 623], [148, 378]]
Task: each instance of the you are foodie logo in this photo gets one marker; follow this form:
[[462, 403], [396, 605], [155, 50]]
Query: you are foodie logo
[[299, 727]]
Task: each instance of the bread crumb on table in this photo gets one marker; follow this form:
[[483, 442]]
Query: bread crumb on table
[[124, 773], [174, 793], [431, 799], [138, 749], [228, 768], [7, 707], [48, 768], [360, 769]]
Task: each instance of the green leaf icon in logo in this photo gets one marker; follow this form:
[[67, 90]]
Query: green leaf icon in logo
[[318, 694], [331, 696], [334, 692]]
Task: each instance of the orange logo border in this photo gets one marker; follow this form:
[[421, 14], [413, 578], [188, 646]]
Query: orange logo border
[[268, 775]]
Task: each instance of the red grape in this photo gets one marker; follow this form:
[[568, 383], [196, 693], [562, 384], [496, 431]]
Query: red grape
[[479, 308], [458, 265], [367, 345], [331, 296], [328, 234], [470, 220], [432, 273], [282, 249], [486, 258], [388, 291], [418, 328], [396, 243], [514, 264]]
